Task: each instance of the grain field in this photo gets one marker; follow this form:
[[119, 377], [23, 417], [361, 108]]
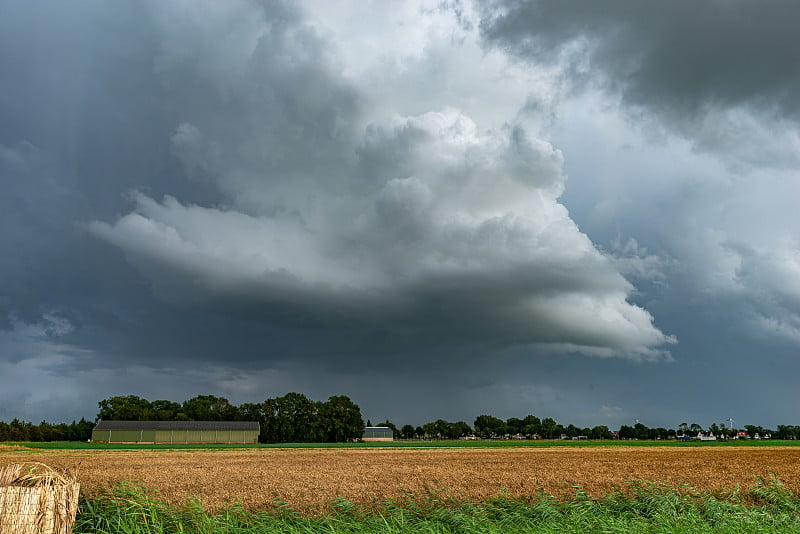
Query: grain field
[[257, 478]]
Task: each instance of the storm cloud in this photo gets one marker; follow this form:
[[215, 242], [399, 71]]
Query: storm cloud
[[434, 226], [522, 207], [682, 60]]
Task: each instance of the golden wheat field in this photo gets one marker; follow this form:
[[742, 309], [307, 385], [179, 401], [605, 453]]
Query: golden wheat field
[[257, 478]]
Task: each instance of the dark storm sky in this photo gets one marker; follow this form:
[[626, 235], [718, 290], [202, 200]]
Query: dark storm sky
[[578, 210]]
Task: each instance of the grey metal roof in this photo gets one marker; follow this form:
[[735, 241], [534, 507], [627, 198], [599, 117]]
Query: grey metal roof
[[178, 425]]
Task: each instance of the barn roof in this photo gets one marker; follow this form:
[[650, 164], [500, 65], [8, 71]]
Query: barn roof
[[178, 425]]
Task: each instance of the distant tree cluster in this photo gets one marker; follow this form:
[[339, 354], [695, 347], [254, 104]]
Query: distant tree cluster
[[640, 431], [787, 432], [720, 431], [18, 430], [292, 418], [489, 426]]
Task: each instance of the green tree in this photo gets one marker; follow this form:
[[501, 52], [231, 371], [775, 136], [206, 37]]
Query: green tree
[[209, 408], [46, 431], [125, 408], [251, 411], [407, 432], [443, 429], [460, 429], [531, 425], [662, 433], [514, 425], [626, 432], [549, 427], [340, 419], [80, 430], [165, 410], [640, 431], [61, 432], [429, 430], [788, 432], [486, 425], [294, 418], [19, 430]]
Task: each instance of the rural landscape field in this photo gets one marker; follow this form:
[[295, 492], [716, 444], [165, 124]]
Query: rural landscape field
[[260, 477], [314, 481], [435, 266]]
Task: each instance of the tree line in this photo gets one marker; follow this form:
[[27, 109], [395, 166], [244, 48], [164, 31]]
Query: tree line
[[295, 418], [488, 426], [292, 418], [18, 430], [721, 431]]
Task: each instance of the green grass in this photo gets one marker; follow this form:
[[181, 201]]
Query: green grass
[[638, 507], [66, 445]]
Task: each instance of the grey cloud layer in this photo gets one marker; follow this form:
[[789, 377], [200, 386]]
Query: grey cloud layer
[[235, 196], [268, 201], [419, 217], [704, 69], [677, 57], [723, 75]]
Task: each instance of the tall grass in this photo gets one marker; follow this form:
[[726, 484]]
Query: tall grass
[[638, 507]]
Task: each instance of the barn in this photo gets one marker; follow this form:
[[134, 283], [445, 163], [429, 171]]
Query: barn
[[378, 433], [176, 432]]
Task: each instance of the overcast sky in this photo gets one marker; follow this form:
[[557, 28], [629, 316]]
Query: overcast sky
[[576, 209]]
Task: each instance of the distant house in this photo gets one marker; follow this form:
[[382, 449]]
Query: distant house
[[179, 432], [706, 435], [378, 433]]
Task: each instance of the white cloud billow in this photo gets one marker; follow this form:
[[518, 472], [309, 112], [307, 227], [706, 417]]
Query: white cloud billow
[[435, 220]]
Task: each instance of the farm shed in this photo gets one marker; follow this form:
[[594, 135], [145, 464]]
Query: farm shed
[[378, 433], [176, 432]]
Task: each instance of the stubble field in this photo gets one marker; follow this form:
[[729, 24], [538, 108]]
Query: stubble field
[[259, 478]]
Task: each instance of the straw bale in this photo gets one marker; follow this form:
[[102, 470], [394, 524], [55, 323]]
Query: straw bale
[[37, 499]]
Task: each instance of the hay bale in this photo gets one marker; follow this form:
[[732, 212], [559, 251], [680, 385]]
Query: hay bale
[[37, 499]]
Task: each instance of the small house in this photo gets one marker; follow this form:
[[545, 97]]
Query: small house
[[706, 435]]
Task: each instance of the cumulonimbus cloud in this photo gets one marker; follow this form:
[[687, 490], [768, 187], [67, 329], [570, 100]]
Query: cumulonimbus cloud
[[436, 226]]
